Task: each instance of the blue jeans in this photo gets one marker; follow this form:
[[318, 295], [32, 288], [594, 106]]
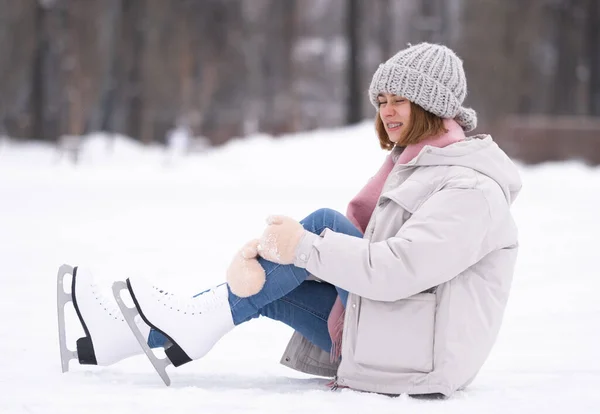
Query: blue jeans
[[287, 296]]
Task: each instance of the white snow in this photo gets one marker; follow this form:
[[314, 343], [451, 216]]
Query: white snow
[[126, 209]]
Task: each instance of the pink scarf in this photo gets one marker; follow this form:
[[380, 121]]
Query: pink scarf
[[361, 208]]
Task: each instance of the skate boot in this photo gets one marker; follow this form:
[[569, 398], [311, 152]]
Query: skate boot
[[108, 338], [193, 325]]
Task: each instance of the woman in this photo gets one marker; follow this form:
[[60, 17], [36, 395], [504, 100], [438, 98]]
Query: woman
[[413, 282]]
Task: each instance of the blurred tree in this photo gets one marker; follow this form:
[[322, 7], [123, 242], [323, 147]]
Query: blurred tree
[[566, 38], [353, 23], [102, 108], [227, 68], [593, 54]]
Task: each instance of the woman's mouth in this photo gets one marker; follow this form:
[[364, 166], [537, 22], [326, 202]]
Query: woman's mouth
[[394, 126]]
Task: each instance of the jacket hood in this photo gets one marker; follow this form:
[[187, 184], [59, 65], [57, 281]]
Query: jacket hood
[[481, 154]]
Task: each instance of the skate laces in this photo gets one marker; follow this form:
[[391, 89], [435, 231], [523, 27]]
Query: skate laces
[[203, 302], [109, 305]]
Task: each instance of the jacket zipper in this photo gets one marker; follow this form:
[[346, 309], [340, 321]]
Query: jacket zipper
[[371, 226]]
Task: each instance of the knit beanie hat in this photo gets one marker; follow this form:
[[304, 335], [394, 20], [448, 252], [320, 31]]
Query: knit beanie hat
[[429, 75]]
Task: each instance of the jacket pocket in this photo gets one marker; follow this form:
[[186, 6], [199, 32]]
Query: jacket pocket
[[410, 195], [397, 336]]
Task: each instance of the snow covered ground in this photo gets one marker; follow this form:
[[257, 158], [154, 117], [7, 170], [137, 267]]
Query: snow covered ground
[[128, 210]]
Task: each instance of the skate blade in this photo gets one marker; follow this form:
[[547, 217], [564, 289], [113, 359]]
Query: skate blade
[[62, 298], [129, 315]]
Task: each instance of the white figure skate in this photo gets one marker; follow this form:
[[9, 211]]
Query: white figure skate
[[193, 325], [108, 338]]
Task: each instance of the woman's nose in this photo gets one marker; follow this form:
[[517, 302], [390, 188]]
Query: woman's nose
[[387, 111]]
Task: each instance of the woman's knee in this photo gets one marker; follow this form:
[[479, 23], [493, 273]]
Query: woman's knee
[[320, 218]]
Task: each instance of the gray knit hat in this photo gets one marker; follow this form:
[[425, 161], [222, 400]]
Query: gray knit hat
[[429, 75]]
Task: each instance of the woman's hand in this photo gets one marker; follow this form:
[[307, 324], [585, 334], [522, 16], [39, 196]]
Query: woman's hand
[[245, 276], [280, 239]]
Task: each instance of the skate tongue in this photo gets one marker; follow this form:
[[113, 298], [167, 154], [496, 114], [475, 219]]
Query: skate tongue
[[209, 301]]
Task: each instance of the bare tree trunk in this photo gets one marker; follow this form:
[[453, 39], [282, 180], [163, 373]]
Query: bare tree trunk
[[385, 21], [186, 73], [353, 106], [593, 50], [134, 74], [38, 72], [563, 100], [290, 104], [74, 72], [430, 20], [255, 94], [102, 110]]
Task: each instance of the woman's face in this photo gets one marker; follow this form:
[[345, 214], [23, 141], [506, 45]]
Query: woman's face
[[394, 112]]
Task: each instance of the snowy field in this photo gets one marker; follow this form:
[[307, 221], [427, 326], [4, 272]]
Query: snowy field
[[126, 210]]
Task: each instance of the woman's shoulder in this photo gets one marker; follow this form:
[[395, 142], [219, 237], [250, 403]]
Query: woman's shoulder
[[426, 182], [457, 177], [441, 177]]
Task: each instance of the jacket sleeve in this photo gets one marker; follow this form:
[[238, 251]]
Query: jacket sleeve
[[443, 238]]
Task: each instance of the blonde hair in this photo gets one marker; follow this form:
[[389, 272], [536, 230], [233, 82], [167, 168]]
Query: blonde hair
[[422, 125]]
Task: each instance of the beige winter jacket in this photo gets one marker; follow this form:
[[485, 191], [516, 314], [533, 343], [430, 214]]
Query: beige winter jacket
[[430, 279]]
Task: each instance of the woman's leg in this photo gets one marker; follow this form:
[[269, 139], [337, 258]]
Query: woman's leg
[[305, 309], [281, 280]]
